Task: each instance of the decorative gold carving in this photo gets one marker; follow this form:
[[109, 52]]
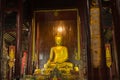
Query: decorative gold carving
[[108, 55], [95, 36], [11, 56]]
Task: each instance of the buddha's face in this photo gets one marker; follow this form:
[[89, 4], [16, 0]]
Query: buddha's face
[[58, 40]]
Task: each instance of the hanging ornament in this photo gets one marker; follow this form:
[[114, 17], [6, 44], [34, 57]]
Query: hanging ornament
[[108, 55], [11, 56]]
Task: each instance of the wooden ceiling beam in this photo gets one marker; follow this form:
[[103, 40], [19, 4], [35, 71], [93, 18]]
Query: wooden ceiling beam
[[10, 10]]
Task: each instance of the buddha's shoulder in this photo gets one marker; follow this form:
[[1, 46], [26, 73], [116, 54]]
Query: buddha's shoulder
[[64, 47], [54, 47]]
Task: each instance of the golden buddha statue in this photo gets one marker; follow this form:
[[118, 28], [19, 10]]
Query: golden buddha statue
[[58, 57]]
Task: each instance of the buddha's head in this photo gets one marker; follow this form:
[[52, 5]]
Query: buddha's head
[[58, 39]]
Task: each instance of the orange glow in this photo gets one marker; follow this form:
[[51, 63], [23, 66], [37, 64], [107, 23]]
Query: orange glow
[[60, 29]]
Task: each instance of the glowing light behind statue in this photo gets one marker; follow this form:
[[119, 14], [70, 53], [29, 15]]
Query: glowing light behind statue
[[60, 28]]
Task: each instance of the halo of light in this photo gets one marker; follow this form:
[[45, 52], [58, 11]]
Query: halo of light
[[60, 29]]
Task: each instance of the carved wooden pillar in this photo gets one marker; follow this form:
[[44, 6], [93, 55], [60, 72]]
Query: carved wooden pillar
[[1, 23], [103, 71], [29, 60], [83, 6], [18, 45], [116, 22]]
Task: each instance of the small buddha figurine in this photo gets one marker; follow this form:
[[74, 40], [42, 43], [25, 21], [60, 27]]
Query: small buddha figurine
[[58, 55]]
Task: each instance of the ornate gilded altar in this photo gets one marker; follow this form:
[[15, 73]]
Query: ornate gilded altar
[[57, 67], [56, 74]]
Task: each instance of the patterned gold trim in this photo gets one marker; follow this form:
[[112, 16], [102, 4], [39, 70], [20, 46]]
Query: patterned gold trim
[[95, 36]]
